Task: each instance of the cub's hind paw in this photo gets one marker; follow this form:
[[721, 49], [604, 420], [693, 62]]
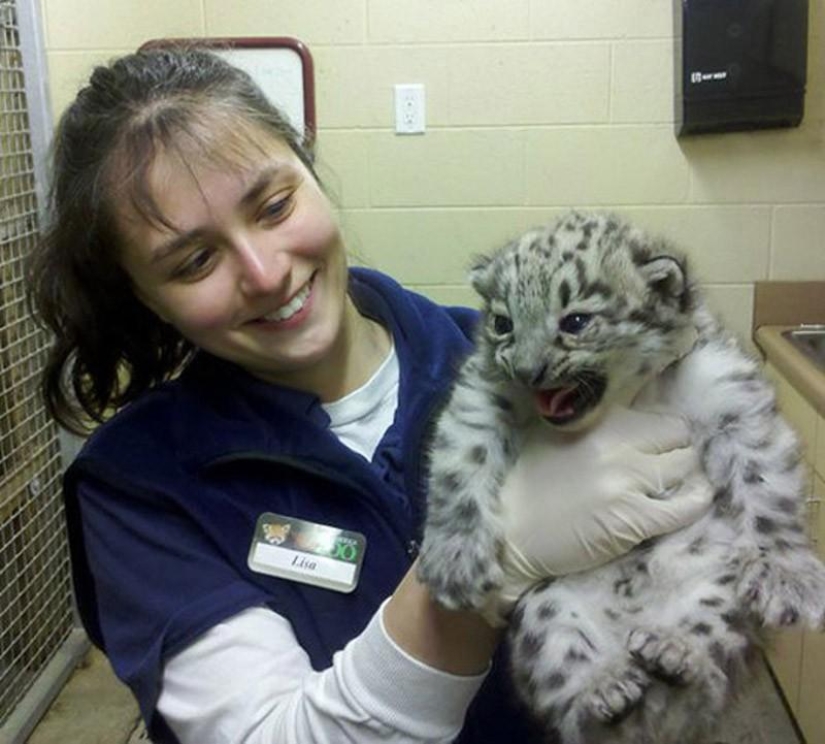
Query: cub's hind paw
[[614, 696], [666, 656], [677, 660]]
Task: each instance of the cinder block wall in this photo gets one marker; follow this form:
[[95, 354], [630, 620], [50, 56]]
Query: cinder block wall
[[532, 106]]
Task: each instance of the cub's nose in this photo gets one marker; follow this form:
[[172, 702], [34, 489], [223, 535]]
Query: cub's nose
[[532, 375]]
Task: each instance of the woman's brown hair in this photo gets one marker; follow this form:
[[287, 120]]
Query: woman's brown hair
[[108, 347]]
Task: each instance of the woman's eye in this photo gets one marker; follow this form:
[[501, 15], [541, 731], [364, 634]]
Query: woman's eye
[[195, 265], [575, 322], [277, 209], [502, 324]]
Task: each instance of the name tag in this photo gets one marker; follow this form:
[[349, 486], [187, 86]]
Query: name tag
[[307, 552]]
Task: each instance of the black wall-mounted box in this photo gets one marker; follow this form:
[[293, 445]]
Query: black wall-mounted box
[[740, 64]]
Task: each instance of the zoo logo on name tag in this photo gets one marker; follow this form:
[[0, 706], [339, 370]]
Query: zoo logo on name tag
[[307, 552]]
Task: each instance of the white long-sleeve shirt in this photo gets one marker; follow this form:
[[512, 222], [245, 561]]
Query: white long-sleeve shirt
[[248, 681]]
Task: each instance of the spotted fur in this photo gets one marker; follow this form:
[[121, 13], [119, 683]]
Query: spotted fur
[[651, 647]]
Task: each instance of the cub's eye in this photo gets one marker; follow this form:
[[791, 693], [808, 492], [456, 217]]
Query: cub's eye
[[575, 322], [502, 325]]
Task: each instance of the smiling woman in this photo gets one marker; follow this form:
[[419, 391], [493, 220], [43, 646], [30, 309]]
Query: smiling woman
[[196, 279]]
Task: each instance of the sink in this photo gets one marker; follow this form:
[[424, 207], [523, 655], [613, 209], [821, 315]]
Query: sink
[[810, 340]]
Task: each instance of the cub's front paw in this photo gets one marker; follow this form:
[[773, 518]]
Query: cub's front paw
[[460, 573], [783, 592]]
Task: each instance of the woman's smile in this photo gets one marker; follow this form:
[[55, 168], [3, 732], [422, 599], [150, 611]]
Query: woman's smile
[[294, 311]]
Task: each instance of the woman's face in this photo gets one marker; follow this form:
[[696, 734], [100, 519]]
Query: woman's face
[[254, 268]]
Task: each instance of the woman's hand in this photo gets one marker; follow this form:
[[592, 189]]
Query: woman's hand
[[576, 500]]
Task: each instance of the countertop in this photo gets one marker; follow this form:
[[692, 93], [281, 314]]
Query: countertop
[[778, 306], [789, 361]]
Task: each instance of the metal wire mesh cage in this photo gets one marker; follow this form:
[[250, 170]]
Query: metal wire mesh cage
[[35, 593]]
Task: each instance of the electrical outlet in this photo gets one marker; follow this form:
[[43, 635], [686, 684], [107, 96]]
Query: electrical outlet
[[410, 115]]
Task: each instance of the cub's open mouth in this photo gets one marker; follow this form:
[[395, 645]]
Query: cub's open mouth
[[567, 403]]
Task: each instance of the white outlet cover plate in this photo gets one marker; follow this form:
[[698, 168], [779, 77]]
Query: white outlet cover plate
[[410, 113]]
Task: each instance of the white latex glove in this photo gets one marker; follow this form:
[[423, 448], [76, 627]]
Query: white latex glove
[[574, 501]]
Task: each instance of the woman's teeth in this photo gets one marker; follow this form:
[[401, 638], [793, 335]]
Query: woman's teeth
[[285, 312]]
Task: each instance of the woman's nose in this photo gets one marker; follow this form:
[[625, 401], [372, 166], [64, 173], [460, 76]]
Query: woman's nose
[[263, 268]]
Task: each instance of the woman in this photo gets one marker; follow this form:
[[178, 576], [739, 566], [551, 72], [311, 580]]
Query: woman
[[196, 279]]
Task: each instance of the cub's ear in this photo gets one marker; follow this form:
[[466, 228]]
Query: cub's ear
[[481, 274], [665, 275]]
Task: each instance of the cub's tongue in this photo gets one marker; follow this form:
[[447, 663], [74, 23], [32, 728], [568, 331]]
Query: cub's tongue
[[556, 402]]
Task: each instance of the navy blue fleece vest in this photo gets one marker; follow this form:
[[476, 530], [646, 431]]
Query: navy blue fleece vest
[[163, 500]]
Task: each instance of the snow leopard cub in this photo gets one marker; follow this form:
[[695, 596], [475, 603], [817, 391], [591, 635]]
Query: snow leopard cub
[[647, 648]]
